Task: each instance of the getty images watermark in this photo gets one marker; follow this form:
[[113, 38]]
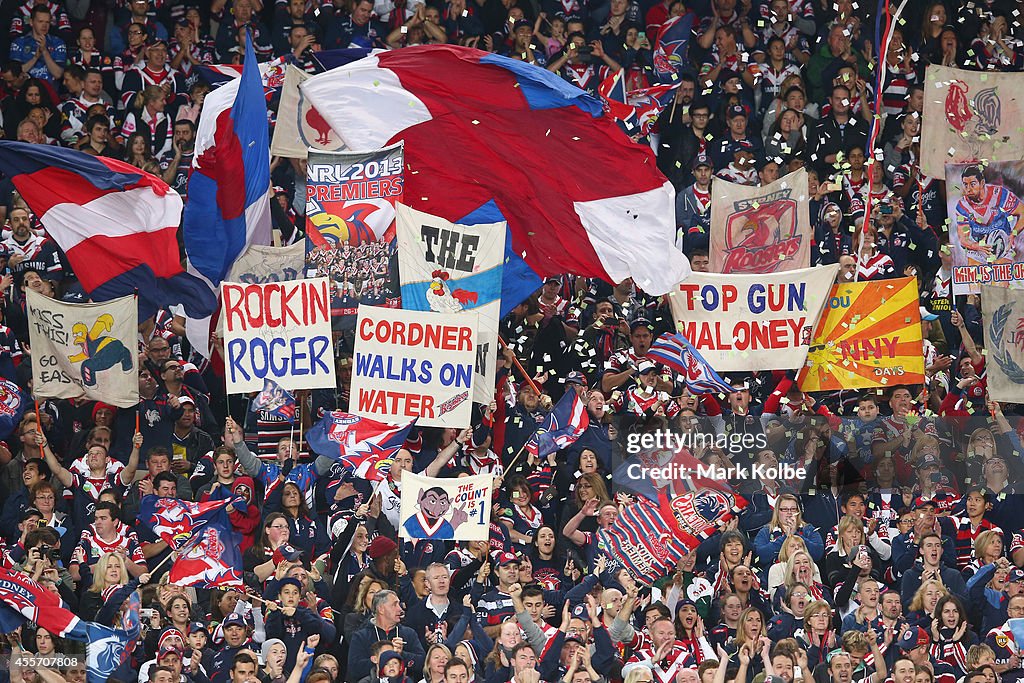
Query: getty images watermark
[[662, 456]]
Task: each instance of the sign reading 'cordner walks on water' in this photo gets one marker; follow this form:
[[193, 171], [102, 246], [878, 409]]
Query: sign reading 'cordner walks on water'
[[278, 330]]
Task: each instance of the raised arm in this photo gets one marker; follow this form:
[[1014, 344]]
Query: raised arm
[[447, 453], [63, 475]]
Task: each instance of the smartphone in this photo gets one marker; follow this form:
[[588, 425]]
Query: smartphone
[[641, 37]]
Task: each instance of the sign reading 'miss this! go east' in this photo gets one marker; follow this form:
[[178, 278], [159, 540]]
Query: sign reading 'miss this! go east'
[[414, 364], [278, 330]]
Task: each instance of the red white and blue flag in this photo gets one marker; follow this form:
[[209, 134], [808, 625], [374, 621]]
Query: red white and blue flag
[[107, 649], [271, 73], [202, 535], [275, 400], [561, 428], [671, 46], [636, 111], [676, 352], [579, 196], [365, 445], [641, 541], [117, 225], [229, 187]]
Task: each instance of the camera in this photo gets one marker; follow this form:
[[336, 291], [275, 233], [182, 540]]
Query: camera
[[584, 50], [885, 209], [50, 552]]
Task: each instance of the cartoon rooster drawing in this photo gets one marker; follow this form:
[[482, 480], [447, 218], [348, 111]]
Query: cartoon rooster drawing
[[318, 123], [977, 119], [443, 300]]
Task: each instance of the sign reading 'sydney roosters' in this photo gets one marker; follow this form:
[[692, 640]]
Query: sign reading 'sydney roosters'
[[760, 229]]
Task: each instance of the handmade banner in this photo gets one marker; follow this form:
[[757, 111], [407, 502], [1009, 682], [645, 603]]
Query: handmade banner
[[446, 509], [449, 268], [414, 364], [350, 227], [1002, 312], [869, 336], [260, 263], [970, 116], [763, 229], [299, 125], [985, 210], [752, 322], [280, 331], [84, 350]]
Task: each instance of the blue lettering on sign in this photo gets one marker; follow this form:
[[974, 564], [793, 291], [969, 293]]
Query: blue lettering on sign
[[278, 358], [456, 375], [395, 369]]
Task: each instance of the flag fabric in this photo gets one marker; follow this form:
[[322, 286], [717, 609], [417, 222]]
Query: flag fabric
[[229, 187], [1002, 314], [668, 517], [512, 125], [670, 48], [365, 445], [561, 428], [635, 111], [275, 400], [201, 533], [107, 649], [97, 361], [272, 73], [332, 59], [675, 352], [117, 224], [300, 126], [12, 406], [22, 598]]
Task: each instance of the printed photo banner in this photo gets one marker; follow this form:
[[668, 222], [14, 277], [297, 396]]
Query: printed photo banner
[[299, 125], [350, 227], [449, 268], [985, 211], [280, 331], [752, 322], [414, 364], [970, 116], [445, 509], [84, 350], [760, 229], [868, 336], [1002, 312]]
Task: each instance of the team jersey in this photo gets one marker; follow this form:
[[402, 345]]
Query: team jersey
[[989, 221]]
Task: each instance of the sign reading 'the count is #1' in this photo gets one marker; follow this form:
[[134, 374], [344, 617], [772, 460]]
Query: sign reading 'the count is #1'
[[280, 331]]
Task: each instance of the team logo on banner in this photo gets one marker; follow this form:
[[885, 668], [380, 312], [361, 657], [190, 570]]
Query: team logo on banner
[[869, 336], [969, 116], [300, 125], [760, 229], [1003, 317]]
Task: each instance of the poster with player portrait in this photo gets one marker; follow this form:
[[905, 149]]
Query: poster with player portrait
[[985, 210]]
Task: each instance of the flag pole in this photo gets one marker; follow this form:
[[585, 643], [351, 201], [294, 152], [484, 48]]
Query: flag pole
[[529, 380], [39, 427], [170, 556]]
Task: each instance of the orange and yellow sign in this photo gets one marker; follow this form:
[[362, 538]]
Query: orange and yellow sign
[[869, 335]]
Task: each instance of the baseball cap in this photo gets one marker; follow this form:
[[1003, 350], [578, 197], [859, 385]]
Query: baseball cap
[[928, 461], [289, 580], [639, 322], [913, 638], [575, 377], [386, 656], [1016, 574], [922, 503], [506, 558], [925, 315], [736, 110], [196, 627], [645, 366], [233, 619], [743, 146], [553, 278], [169, 650], [286, 552], [522, 23], [701, 160], [186, 399]]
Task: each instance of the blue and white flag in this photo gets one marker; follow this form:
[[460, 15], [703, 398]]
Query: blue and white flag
[[675, 352], [561, 428]]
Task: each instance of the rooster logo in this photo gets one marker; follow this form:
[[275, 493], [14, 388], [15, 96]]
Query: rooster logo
[[1019, 336], [973, 118], [317, 123], [442, 300], [347, 227]]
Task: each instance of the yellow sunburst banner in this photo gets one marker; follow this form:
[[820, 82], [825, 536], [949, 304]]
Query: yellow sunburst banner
[[869, 335]]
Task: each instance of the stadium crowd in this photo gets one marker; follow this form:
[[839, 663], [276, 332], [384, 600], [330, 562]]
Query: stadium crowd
[[896, 560]]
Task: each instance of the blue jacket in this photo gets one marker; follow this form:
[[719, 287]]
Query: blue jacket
[[768, 543]]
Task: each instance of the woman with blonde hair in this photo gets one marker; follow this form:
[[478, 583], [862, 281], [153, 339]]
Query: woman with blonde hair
[[360, 599], [787, 520], [111, 586], [433, 664], [988, 547], [800, 569], [922, 606], [851, 543], [778, 572]]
